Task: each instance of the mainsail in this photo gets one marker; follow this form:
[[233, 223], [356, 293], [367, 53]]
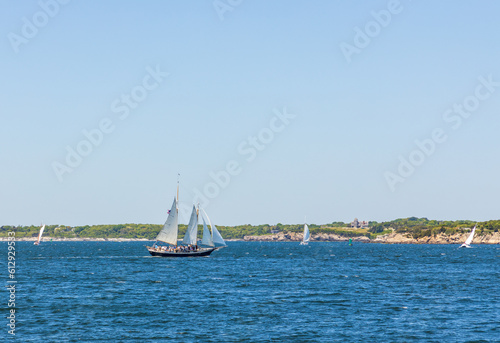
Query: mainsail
[[169, 232], [40, 234], [191, 235], [469, 239], [307, 235]]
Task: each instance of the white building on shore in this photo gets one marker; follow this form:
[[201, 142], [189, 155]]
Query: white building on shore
[[359, 224]]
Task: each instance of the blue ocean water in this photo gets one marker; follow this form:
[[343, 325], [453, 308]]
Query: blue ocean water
[[256, 292]]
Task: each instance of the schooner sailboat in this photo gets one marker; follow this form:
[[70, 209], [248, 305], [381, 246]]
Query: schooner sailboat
[[211, 241], [39, 238]]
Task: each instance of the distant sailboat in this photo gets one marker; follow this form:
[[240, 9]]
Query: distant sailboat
[[469, 239], [40, 235], [307, 235], [211, 241]]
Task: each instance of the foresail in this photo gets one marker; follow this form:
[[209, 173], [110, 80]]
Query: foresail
[[207, 236], [191, 235], [217, 236], [169, 232]]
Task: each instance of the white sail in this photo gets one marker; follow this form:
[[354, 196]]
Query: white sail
[[41, 233], [215, 236], [169, 232], [307, 235], [218, 237], [469, 239], [191, 235], [207, 236]]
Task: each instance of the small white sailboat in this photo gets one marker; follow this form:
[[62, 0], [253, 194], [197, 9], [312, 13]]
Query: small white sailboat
[[211, 241], [40, 235], [469, 239], [307, 236]]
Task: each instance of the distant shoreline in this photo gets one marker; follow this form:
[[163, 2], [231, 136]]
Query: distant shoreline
[[83, 239], [390, 238], [394, 238]]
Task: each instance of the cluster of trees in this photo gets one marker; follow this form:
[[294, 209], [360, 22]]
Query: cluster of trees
[[95, 231], [416, 227], [423, 227]]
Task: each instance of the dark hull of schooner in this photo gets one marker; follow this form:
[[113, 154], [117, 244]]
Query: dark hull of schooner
[[199, 253]]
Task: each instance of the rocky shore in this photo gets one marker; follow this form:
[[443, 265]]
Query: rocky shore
[[392, 238], [398, 238], [296, 237]]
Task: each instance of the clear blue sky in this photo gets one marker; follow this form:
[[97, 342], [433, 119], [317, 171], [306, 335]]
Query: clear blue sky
[[70, 67]]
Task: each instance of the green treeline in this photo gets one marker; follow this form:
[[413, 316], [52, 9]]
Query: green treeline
[[416, 227], [422, 227]]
